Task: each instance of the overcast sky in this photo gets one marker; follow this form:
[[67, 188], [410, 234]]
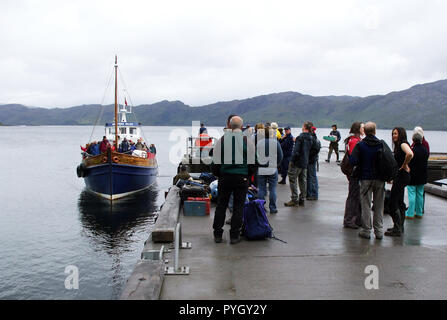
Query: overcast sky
[[61, 53]]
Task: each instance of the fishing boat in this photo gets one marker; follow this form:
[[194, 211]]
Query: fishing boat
[[112, 174]]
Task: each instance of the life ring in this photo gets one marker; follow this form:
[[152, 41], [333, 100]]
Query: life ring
[[116, 159], [104, 159]]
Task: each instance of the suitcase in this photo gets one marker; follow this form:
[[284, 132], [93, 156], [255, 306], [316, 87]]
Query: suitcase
[[194, 208], [192, 191], [206, 200]]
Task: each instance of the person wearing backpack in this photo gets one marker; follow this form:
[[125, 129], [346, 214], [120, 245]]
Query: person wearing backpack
[[312, 180], [298, 166], [403, 156], [372, 183], [353, 209]]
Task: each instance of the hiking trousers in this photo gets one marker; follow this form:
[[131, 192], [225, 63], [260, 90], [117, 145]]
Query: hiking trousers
[[299, 174], [333, 146], [376, 189], [228, 184], [397, 204], [353, 208]]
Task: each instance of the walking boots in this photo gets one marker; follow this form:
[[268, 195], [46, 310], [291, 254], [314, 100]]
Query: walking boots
[[291, 203]]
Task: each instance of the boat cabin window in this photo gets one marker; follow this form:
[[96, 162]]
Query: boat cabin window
[[122, 130], [133, 130]]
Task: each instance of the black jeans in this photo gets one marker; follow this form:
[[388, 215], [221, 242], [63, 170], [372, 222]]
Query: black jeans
[[397, 204], [353, 208], [238, 185]]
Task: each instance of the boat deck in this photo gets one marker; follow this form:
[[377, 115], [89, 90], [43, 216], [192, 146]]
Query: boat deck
[[321, 259]]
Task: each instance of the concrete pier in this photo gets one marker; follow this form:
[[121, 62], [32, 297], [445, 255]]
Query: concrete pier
[[321, 259]]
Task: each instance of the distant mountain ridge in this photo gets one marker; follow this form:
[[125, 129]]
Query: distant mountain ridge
[[423, 104]]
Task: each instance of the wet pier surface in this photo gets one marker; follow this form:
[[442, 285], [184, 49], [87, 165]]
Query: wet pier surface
[[321, 259]]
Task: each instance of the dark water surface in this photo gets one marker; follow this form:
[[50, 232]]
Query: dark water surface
[[48, 221]]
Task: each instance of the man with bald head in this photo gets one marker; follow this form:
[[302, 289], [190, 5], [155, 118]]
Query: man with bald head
[[234, 155], [236, 123]]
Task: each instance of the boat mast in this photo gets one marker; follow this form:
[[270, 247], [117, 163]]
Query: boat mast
[[116, 104]]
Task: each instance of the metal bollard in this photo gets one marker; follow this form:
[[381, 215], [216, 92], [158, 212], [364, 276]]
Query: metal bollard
[[154, 254], [176, 270]]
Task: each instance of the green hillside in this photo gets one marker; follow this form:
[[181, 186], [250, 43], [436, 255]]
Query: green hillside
[[424, 105]]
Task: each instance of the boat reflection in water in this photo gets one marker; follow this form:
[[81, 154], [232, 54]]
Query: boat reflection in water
[[114, 222], [117, 231]]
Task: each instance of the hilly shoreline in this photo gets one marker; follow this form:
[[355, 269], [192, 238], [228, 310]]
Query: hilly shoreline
[[424, 105]]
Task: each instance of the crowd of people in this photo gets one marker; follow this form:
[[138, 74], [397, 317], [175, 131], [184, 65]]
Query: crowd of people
[[126, 146], [263, 154], [259, 156], [370, 158]]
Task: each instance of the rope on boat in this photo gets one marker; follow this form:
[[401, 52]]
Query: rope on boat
[[101, 111], [131, 102]]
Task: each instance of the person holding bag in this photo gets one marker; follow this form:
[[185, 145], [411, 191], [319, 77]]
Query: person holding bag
[[353, 209]]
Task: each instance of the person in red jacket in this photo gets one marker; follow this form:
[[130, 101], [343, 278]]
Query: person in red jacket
[[353, 209], [104, 145], [203, 141]]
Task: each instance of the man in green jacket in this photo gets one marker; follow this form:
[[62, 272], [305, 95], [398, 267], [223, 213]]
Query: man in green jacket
[[235, 154]]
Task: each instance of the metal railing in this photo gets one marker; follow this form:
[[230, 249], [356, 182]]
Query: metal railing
[[193, 150], [178, 244]]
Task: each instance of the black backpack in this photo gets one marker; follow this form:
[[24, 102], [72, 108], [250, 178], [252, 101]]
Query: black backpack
[[385, 165], [346, 167], [314, 149]]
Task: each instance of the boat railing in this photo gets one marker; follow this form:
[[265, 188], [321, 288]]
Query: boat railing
[[194, 150], [86, 154]]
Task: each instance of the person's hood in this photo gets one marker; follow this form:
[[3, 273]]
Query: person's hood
[[372, 140], [306, 135]]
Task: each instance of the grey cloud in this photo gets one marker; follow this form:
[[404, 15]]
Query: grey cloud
[[59, 54]]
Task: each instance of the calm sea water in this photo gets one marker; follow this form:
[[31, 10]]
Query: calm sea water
[[48, 221]]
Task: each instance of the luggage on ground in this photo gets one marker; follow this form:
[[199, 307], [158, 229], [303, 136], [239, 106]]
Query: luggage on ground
[[213, 188], [207, 177], [195, 208], [205, 200], [256, 225], [192, 191]]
